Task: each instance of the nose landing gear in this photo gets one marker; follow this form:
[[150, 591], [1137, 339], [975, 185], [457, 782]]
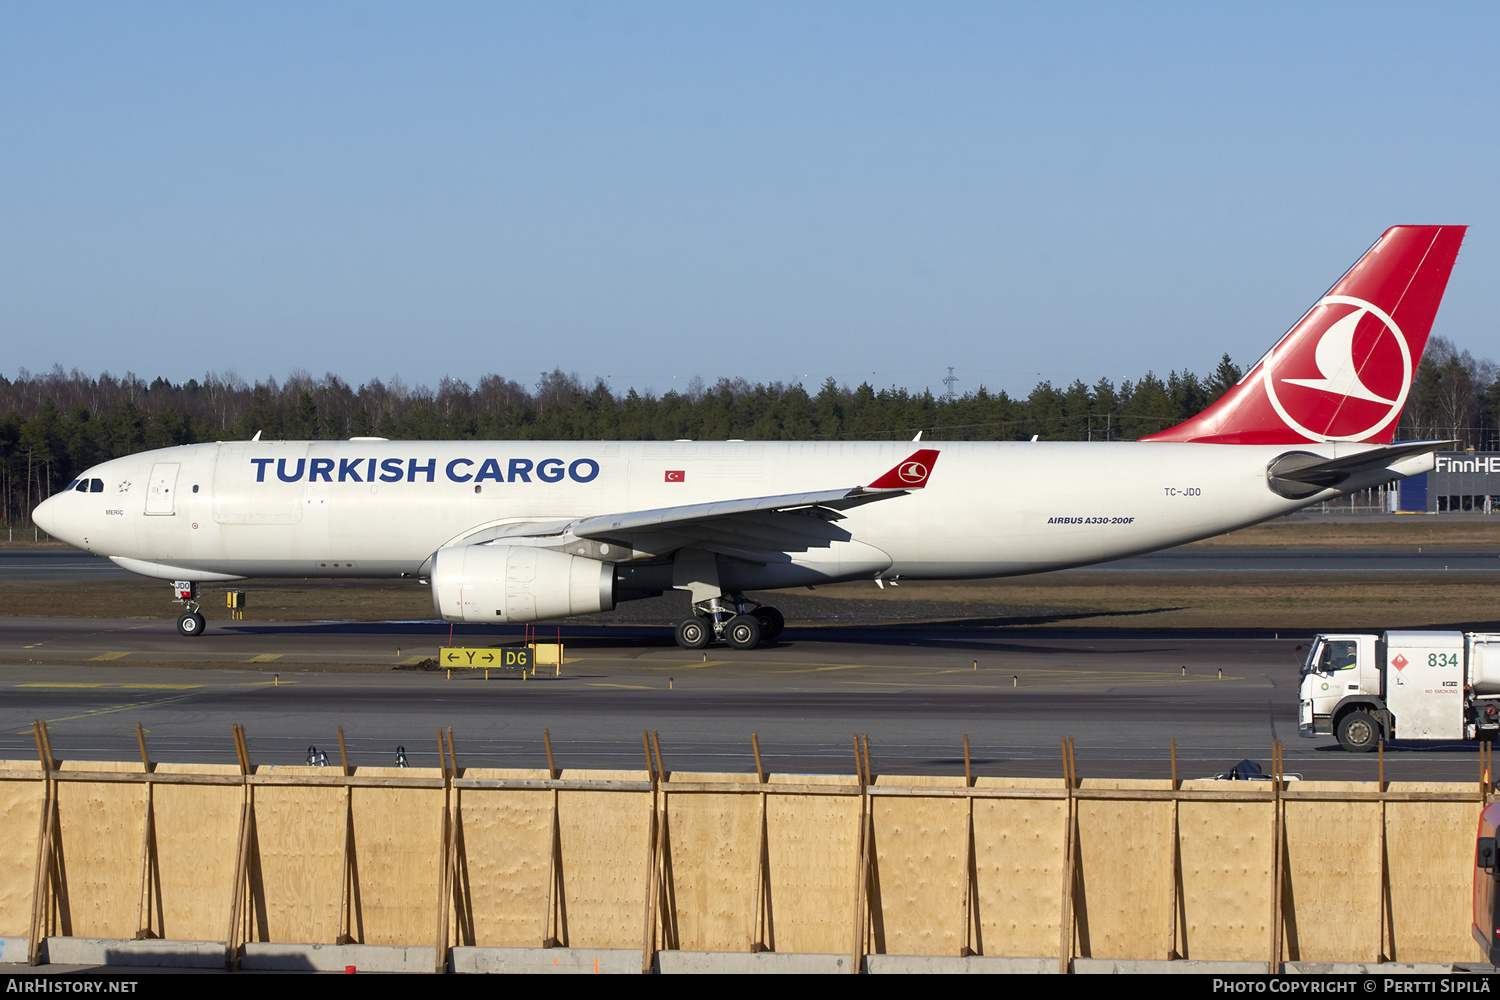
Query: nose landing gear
[[191, 622]]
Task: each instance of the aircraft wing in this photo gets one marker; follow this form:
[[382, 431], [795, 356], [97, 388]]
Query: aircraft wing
[[608, 525], [747, 526]]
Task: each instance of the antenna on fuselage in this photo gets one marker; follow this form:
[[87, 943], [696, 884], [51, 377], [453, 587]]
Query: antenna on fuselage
[[257, 436]]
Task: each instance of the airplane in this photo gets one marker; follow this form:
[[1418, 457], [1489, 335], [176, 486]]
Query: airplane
[[522, 531]]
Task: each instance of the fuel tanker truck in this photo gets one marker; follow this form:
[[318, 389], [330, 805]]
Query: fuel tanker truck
[[1401, 686]]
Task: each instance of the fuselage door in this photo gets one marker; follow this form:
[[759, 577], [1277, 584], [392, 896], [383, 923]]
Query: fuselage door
[[161, 492]]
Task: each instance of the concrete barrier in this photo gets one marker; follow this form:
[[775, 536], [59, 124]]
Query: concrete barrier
[[267, 957], [877, 965], [576, 961], [739, 962], [1366, 969], [1160, 967], [128, 952]]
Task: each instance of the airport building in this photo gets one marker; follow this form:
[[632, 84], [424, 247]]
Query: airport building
[[1462, 482]]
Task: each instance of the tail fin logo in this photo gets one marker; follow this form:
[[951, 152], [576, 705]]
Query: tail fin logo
[[1351, 380], [913, 472]]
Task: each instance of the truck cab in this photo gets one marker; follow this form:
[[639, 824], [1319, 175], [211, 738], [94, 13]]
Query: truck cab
[[1340, 693]]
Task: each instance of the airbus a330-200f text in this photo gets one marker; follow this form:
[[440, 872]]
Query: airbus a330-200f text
[[512, 531]]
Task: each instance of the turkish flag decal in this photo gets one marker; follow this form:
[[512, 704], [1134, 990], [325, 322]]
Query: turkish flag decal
[[676, 476]]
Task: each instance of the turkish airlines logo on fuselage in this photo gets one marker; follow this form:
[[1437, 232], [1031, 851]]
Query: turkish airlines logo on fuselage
[[1343, 375]]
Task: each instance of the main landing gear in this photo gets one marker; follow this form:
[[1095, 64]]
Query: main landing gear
[[191, 621], [733, 619]]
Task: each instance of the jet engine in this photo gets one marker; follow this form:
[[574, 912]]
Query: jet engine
[[513, 583]]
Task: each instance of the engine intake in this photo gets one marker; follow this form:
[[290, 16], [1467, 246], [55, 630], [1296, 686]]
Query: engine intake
[[513, 583]]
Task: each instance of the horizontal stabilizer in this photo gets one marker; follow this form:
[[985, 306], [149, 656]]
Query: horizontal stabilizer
[[1300, 474]]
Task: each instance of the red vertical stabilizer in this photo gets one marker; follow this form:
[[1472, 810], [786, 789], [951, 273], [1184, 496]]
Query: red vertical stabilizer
[[1343, 372]]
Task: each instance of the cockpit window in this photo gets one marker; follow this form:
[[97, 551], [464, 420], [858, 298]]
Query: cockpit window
[[70, 486], [96, 486]]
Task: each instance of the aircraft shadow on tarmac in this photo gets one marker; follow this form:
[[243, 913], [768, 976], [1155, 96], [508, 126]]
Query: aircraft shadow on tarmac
[[890, 634], [577, 630]]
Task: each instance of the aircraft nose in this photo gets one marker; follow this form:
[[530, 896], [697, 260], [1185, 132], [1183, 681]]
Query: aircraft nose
[[48, 516]]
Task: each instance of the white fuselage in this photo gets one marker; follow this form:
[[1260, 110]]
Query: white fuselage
[[380, 509]]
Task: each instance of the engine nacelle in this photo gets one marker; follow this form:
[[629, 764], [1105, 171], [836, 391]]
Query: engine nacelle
[[514, 583]]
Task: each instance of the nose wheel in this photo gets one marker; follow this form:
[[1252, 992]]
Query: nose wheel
[[191, 622]]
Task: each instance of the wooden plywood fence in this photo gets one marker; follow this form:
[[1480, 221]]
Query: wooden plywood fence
[[857, 864]]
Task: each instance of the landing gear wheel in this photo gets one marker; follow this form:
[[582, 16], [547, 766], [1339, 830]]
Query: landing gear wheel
[[694, 633], [771, 622], [191, 623], [1359, 732], [742, 632]]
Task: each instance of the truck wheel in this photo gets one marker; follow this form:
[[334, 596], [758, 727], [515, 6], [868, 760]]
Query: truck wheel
[[1359, 732]]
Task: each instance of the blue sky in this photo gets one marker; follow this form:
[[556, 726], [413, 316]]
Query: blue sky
[[654, 191]]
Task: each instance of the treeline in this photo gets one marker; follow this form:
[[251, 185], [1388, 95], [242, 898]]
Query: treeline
[[56, 425]]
